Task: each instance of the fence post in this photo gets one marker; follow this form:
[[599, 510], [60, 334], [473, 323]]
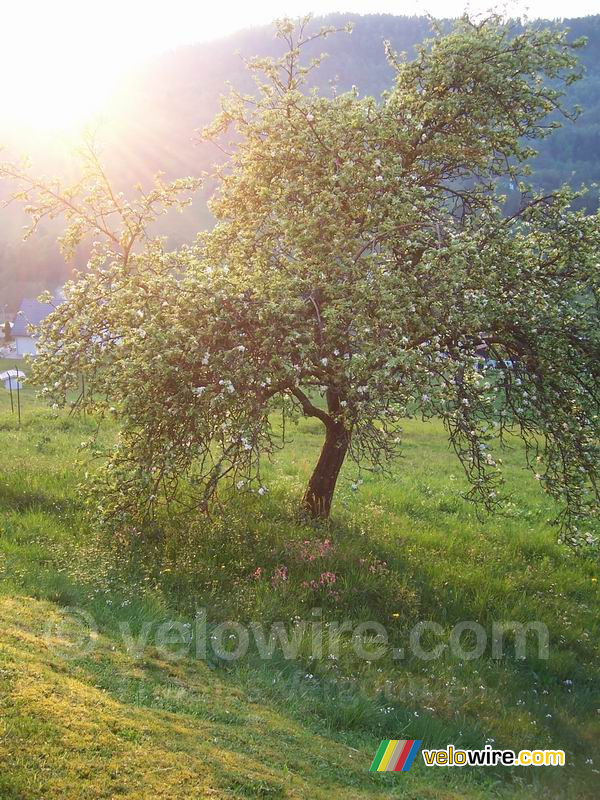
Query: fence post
[[19, 397]]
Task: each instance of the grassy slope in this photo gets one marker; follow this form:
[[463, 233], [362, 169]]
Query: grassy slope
[[108, 725], [64, 737]]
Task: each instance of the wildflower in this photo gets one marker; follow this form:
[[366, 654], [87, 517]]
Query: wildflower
[[328, 578], [279, 576]]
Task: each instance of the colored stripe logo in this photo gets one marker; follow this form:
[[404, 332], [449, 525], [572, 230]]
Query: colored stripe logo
[[395, 755]]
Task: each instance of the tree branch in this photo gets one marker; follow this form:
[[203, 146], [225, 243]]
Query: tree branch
[[310, 409]]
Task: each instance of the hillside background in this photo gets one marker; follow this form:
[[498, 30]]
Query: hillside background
[[151, 123]]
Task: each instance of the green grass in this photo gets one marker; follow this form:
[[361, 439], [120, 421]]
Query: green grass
[[402, 548]]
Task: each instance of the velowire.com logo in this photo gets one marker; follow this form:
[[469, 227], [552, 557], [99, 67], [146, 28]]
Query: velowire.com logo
[[395, 755]]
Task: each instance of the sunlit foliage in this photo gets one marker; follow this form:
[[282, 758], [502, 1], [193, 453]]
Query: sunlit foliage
[[362, 270]]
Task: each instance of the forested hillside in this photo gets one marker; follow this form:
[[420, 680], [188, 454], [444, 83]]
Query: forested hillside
[[151, 123]]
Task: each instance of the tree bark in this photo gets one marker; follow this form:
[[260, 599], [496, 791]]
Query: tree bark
[[319, 493]]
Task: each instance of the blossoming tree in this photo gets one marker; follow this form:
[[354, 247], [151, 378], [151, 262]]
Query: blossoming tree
[[361, 271]]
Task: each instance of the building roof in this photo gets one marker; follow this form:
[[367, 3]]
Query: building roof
[[31, 312]]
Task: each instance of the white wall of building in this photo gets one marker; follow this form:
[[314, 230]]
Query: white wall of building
[[25, 346]]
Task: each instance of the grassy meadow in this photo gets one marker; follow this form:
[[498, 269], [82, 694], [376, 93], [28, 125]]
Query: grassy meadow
[[125, 721]]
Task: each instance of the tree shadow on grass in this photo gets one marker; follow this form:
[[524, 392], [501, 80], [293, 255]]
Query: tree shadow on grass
[[12, 499]]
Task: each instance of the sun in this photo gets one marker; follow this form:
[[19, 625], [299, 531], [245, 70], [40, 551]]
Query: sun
[[60, 66], [61, 59], [56, 95]]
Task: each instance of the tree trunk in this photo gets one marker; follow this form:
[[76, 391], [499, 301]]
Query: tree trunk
[[319, 493]]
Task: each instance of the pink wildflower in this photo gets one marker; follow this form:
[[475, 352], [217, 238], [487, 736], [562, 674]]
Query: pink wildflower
[[327, 578], [280, 575]]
